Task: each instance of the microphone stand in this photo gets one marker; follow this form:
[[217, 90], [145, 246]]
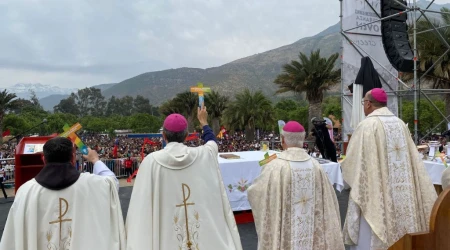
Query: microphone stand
[[25, 132]]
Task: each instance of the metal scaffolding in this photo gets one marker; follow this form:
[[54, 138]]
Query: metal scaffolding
[[415, 89]]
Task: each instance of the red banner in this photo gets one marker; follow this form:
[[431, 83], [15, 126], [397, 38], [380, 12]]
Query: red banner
[[192, 137], [115, 151], [148, 141], [6, 133]]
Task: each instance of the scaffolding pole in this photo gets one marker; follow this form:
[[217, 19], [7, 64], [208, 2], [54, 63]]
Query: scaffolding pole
[[342, 77], [416, 119]]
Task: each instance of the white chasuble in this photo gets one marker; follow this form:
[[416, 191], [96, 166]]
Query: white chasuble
[[391, 194], [179, 202], [85, 215], [294, 205]]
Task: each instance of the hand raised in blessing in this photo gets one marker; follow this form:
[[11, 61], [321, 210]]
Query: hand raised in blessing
[[202, 115], [92, 156]]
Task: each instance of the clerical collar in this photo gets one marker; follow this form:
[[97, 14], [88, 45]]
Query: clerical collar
[[57, 176], [384, 111], [294, 154]]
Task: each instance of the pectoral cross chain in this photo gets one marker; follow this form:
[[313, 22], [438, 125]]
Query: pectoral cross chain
[[185, 204], [61, 215]]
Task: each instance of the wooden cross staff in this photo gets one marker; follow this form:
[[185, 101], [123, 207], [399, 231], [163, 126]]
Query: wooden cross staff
[[70, 132], [200, 90]]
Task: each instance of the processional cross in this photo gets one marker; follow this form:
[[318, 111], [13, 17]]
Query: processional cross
[[185, 204], [61, 215], [70, 132], [200, 90]]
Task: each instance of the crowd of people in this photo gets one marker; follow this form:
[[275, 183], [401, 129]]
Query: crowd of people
[[6, 163], [236, 142], [133, 147], [123, 155]]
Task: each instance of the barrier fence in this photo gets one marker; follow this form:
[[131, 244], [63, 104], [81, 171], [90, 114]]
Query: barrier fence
[[117, 166], [8, 165]]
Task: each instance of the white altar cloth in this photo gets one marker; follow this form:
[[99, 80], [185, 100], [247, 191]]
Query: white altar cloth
[[434, 170], [238, 175]]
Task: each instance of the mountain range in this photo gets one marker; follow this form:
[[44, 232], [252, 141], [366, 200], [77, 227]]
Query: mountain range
[[256, 72], [50, 101], [23, 90], [49, 96]]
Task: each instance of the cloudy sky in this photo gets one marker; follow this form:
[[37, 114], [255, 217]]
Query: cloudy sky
[[78, 43]]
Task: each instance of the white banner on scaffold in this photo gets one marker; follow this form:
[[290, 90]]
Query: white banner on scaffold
[[366, 38]]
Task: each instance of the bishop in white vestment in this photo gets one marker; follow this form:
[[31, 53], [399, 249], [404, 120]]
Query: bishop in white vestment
[[61, 209], [293, 202], [391, 193], [179, 200]]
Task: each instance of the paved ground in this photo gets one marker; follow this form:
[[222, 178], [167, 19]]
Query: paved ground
[[247, 231]]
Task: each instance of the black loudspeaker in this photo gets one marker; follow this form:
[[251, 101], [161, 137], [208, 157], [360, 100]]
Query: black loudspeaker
[[394, 33]]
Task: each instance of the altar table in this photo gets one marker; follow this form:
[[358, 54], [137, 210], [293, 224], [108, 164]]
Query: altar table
[[238, 175]]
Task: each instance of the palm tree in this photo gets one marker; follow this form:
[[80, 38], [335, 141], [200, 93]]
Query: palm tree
[[216, 104], [430, 48], [184, 103], [313, 75], [7, 103], [247, 111], [168, 108]]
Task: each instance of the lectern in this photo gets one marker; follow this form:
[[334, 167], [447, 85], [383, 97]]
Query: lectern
[[28, 159]]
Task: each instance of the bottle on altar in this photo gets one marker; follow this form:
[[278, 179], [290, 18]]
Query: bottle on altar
[[265, 146], [434, 148]]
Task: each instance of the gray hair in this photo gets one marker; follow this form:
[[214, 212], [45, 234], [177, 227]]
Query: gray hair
[[175, 136], [294, 139]]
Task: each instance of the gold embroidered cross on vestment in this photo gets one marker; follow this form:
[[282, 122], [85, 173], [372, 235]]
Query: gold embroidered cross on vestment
[[304, 200], [61, 215], [398, 149], [185, 204]]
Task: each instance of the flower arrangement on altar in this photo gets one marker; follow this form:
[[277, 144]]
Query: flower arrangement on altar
[[443, 159], [242, 186]]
